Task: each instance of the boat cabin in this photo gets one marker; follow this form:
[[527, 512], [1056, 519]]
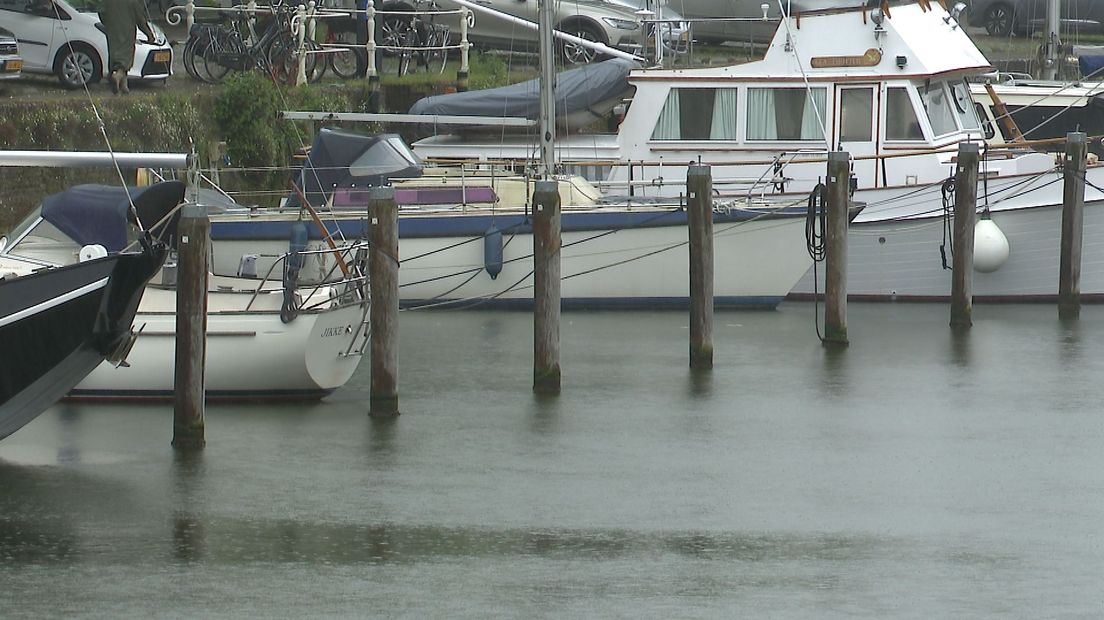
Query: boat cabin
[[885, 83]]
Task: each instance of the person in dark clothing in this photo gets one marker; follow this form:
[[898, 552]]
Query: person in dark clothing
[[121, 19]]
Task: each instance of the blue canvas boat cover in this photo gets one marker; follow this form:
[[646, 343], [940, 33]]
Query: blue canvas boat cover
[[100, 214], [1091, 66], [583, 95]]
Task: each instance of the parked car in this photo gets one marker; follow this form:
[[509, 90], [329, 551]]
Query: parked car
[[66, 39], [11, 63], [742, 20], [1004, 17], [612, 22]]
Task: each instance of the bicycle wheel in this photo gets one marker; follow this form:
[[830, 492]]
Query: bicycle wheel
[[438, 57], [187, 57], [283, 63], [343, 63], [218, 59], [396, 30]]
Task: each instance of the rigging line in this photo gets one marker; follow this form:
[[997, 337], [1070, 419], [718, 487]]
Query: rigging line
[[921, 189], [1092, 93], [1084, 176], [512, 229], [473, 270], [804, 77], [1028, 191], [100, 123], [1008, 193], [631, 259], [1006, 190], [478, 300]]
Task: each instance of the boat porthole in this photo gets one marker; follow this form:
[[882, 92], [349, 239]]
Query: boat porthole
[[881, 240]]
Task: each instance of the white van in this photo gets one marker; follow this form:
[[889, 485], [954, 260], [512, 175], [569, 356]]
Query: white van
[[66, 39]]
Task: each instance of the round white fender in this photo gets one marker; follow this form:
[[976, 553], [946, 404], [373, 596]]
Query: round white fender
[[90, 252], [990, 246]]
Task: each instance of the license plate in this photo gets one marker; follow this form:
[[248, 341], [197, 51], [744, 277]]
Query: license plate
[[11, 66], [164, 56]]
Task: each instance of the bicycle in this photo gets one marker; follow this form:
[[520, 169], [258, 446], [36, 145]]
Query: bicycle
[[212, 51], [418, 38], [343, 62]]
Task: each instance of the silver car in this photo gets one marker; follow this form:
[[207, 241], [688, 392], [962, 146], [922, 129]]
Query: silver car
[[742, 20], [612, 22], [11, 63], [1005, 17]]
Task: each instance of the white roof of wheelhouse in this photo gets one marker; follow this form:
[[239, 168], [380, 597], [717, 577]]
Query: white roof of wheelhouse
[[932, 43]]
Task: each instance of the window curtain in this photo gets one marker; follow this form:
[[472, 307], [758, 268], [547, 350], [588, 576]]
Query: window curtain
[[724, 115], [668, 127], [812, 127], [761, 121]]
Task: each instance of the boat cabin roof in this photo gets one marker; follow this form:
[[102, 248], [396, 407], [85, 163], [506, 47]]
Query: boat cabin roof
[[911, 41]]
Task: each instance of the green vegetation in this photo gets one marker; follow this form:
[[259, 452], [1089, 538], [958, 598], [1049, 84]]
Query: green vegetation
[[243, 113], [166, 122]]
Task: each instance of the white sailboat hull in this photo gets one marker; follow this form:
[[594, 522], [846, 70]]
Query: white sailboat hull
[[609, 257], [250, 354], [755, 264]]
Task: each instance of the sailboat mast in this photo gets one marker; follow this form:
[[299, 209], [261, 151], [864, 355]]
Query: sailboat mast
[[547, 88], [1050, 65]]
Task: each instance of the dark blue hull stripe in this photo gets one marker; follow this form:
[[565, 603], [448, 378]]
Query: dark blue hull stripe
[[764, 302], [476, 225], [211, 395]]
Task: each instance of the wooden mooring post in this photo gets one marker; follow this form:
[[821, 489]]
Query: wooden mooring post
[[699, 215], [965, 219], [835, 249], [1073, 207], [194, 231], [383, 274], [546, 287]]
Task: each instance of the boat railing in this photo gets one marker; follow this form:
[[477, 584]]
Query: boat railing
[[344, 283]]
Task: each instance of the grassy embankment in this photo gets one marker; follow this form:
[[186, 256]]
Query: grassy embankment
[[243, 113]]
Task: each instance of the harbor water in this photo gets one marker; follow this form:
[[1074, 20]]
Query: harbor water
[[918, 473]]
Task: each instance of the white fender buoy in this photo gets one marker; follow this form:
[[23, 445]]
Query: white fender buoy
[[91, 252], [990, 246]]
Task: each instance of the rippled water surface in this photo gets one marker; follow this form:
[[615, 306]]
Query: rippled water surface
[[917, 474]]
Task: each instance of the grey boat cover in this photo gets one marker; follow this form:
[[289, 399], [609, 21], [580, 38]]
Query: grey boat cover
[[343, 160], [583, 95]]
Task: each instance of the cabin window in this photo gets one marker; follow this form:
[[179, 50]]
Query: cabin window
[[963, 106], [986, 125], [938, 108], [698, 114], [901, 121], [856, 114], [786, 113]]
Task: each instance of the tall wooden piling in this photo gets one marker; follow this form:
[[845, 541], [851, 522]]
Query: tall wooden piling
[[546, 287], [1073, 207], [699, 215], [383, 274], [194, 232], [835, 248], [965, 219]]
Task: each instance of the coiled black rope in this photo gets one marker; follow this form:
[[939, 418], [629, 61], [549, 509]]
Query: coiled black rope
[[816, 222], [947, 247]]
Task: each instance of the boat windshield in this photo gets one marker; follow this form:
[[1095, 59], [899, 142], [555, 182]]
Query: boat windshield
[[39, 240], [938, 108], [25, 224]]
